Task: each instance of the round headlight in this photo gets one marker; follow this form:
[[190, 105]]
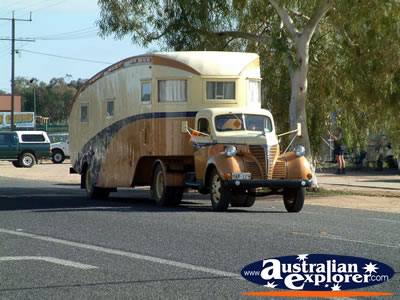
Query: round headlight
[[230, 150], [299, 150]]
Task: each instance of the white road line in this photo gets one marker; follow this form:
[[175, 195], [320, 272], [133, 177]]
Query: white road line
[[358, 217], [125, 254], [334, 237], [53, 260]]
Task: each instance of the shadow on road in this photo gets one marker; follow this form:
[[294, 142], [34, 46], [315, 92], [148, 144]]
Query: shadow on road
[[128, 201]]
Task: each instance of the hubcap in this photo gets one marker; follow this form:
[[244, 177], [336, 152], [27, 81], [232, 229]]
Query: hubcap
[[160, 184], [88, 181], [58, 157], [27, 160], [216, 188]]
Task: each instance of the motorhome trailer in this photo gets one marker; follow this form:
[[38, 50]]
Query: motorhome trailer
[[182, 119]]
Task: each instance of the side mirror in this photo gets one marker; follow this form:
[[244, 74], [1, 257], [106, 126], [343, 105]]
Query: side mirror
[[298, 129]]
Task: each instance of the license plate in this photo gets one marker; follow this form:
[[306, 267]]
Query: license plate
[[241, 176]]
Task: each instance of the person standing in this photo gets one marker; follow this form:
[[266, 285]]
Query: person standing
[[339, 150]]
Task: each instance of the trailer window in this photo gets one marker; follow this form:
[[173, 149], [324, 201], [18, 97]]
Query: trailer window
[[110, 109], [217, 90], [146, 92], [172, 91], [254, 92], [84, 114]]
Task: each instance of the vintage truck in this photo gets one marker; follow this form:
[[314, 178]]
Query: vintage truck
[[24, 148], [178, 120]]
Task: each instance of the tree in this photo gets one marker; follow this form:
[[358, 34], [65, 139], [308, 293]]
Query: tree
[[215, 25], [53, 100]]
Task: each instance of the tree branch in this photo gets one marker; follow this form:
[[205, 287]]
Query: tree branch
[[316, 18], [300, 14], [243, 35], [286, 19]]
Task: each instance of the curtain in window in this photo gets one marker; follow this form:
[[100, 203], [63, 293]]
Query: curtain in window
[[172, 90], [220, 90], [254, 92]]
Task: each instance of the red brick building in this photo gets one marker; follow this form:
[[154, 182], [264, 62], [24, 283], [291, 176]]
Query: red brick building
[[5, 103]]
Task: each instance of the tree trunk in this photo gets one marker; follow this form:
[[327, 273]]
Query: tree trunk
[[298, 98]]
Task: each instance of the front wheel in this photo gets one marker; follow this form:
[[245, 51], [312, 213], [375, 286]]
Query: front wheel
[[93, 192], [162, 194], [58, 157], [219, 194], [27, 160], [293, 198]]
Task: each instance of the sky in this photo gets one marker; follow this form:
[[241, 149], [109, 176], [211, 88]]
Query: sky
[[60, 28]]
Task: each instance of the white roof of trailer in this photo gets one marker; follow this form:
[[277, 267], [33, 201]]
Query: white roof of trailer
[[212, 63]]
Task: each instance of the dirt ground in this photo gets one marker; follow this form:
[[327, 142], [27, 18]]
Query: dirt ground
[[385, 201]]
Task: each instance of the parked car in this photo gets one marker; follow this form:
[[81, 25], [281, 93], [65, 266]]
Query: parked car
[[59, 151], [24, 148]]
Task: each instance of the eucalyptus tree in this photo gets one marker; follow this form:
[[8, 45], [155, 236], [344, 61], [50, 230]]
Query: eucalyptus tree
[[221, 25]]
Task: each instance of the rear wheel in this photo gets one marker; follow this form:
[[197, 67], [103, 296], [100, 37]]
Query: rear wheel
[[293, 198], [241, 198], [57, 157], [27, 160], [93, 192], [220, 195], [162, 194]]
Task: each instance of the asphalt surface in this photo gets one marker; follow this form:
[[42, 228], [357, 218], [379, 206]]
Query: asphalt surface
[[56, 244]]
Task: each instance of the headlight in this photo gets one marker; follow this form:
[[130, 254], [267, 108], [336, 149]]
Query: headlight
[[299, 150], [230, 150]]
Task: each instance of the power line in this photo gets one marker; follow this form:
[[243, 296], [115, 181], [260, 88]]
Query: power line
[[66, 57], [13, 19]]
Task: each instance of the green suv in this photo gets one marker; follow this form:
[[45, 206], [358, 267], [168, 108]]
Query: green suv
[[24, 148]]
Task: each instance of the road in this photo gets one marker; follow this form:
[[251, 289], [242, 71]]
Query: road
[[56, 244]]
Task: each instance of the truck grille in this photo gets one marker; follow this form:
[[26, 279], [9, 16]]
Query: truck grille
[[276, 168], [273, 154], [259, 154], [279, 170]]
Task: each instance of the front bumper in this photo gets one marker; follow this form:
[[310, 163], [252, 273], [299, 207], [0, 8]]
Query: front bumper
[[276, 183]]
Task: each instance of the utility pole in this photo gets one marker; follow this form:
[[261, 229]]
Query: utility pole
[[13, 59]]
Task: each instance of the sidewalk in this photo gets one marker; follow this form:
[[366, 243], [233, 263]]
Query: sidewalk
[[369, 182]]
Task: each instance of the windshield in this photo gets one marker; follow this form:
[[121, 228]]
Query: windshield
[[232, 122]]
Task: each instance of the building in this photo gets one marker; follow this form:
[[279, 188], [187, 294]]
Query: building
[[5, 103]]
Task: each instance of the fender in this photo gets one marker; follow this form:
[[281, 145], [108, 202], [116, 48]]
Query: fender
[[225, 165], [297, 167]]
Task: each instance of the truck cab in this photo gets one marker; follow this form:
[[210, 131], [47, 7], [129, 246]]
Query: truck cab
[[236, 151]]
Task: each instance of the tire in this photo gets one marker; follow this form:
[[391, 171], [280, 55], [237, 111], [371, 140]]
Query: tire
[[294, 198], [93, 192], [241, 199], [16, 164], [58, 156], [220, 195], [164, 195], [27, 160]]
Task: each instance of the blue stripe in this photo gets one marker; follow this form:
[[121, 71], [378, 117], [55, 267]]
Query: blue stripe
[[99, 143]]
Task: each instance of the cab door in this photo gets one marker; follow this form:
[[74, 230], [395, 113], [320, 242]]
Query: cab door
[[202, 144], [8, 145]]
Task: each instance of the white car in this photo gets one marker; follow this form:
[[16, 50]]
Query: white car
[[59, 151]]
